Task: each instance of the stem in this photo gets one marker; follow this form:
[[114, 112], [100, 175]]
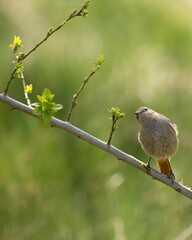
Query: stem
[[52, 31], [74, 14], [9, 81], [75, 96], [24, 88], [113, 128]]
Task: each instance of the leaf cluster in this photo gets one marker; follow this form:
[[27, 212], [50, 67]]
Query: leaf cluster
[[46, 107], [84, 10], [116, 115], [16, 44], [100, 60]]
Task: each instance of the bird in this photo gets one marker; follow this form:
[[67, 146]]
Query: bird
[[158, 137]]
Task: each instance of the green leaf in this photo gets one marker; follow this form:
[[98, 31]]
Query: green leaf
[[37, 104], [50, 31], [46, 117], [39, 98], [17, 41], [47, 95], [116, 114], [38, 110], [58, 107], [16, 44], [29, 88], [46, 107], [121, 115], [84, 11], [100, 59], [86, 4]]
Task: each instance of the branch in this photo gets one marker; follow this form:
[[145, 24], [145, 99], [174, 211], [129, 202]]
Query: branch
[[75, 96], [66, 126], [96, 67], [24, 88], [10, 80], [116, 115], [83, 12]]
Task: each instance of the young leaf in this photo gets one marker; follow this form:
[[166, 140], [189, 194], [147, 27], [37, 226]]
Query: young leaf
[[29, 88], [46, 107], [116, 115], [16, 44], [100, 59]]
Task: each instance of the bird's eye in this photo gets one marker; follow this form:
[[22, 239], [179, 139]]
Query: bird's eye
[[145, 109]]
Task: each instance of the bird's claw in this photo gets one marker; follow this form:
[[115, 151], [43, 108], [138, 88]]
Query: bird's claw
[[148, 163]]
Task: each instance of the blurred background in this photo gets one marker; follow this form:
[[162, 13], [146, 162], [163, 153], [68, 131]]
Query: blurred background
[[53, 185]]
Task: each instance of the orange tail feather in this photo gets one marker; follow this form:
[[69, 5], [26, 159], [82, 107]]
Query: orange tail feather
[[165, 167]]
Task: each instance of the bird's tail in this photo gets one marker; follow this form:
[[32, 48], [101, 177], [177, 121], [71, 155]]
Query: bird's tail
[[165, 167]]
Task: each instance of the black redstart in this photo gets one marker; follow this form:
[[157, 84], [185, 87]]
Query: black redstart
[[158, 137]]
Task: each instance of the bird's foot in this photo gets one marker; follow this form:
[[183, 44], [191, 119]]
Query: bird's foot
[[148, 164], [171, 175]]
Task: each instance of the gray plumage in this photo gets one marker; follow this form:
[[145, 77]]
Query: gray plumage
[[158, 134]]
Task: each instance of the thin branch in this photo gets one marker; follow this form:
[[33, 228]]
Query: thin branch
[[12, 76], [51, 31], [66, 126], [82, 12], [113, 128], [18, 66], [96, 67], [116, 115], [24, 88], [75, 96]]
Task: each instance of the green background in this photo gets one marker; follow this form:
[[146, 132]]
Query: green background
[[53, 185]]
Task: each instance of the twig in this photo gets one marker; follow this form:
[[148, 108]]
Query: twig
[[51, 31], [12, 76], [116, 115], [111, 133], [24, 88], [75, 96], [82, 12], [66, 126], [96, 67], [18, 66]]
